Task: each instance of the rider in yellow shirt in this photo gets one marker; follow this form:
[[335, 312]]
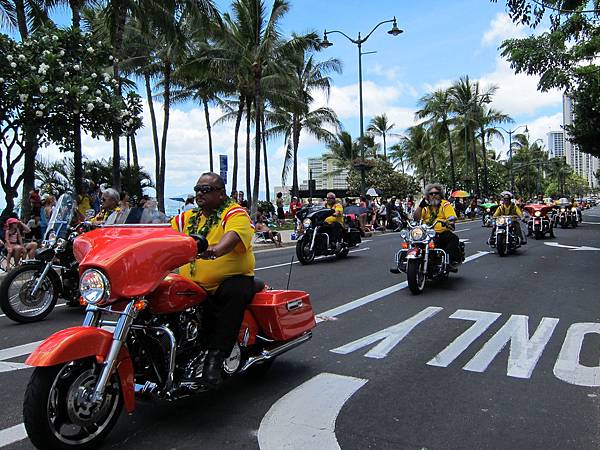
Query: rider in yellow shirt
[[336, 221], [225, 269], [509, 208], [434, 211]]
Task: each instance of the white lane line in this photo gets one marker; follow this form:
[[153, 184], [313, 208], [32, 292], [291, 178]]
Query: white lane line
[[591, 223], [294, 423], [296, 262], [13, 352], [13, 434], [460, 231], [321, 317], [59, 305]]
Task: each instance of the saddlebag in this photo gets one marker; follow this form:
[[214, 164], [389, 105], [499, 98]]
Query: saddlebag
[[353, 237], [283, 315]]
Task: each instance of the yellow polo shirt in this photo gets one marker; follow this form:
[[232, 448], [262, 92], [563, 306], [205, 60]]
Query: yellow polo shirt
[[337, 209], [443, 212], [210, 273]]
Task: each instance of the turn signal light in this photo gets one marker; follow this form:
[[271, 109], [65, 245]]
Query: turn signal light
[[140, 304], [405, 245], [82, 302], [431, 245]]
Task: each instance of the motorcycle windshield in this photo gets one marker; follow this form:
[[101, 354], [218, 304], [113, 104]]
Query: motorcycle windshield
[[135, 257], [61, 217]]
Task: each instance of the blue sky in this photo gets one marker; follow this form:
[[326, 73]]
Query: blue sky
[[442, 41]]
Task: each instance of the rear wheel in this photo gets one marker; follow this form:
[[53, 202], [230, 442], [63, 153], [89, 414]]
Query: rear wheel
[[415, 276], [17, 300], [501, 244], [303, 252], [538, 235], [57, 411]]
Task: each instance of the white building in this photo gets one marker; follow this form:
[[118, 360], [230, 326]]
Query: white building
[[327, 174], [556, 144], [582, 163]]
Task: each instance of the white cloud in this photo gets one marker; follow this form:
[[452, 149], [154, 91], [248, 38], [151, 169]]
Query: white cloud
[[501, 28], [517, 93]]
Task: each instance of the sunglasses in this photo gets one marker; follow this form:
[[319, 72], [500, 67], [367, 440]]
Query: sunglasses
[[205, 188], [434, 193]]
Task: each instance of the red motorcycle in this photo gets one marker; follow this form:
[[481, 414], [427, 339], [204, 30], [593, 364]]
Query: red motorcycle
[[541, 221], [85, 375]]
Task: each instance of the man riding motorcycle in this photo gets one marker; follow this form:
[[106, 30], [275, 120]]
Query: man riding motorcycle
[[508, 208], [439, 213], [335, 223], [225, 270]]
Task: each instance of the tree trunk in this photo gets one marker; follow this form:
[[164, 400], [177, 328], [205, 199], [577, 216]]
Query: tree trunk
[[77, 154], [208, 129], [128, 146], [248, 122], [117, 50], [295, 146], [452, 170], [163, 149], [485, 169], [257, 139], [134, 152], [154, 128], [238, 121], [31, 148], [264, 143], [384, 148], [475, 166], [75, 13], [21, 19]]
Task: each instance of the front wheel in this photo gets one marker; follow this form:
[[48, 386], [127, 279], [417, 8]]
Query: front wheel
[[57, 411], [501, 244], [17, 300], [415, 276], [303, 252], [538, 235]]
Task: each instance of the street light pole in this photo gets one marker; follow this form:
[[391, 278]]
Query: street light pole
[[510, 167], [395, 31]]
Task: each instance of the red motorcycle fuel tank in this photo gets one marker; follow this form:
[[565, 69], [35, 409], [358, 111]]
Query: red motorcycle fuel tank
[[175, 293], [134, 258], [283, 315]]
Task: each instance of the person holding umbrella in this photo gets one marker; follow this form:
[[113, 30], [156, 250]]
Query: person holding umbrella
[[439, 214]]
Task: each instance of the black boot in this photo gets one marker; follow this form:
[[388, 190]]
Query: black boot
[[213, 367]]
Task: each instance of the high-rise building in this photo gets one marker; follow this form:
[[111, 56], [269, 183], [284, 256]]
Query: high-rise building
[[327, 174], [582, 163], [556, 144]]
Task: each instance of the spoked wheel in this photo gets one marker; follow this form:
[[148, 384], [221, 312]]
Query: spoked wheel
[[17, 300], [343, 252], [303, 252], [57, 410], [415, 276]]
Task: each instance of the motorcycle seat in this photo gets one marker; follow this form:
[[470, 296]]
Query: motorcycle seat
[[259, 285]]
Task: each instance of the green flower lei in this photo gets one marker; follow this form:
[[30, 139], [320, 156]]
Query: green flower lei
[[211, 221]]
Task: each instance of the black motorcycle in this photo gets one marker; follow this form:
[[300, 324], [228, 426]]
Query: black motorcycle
[[316, 240], [567, 216], [504, 237], [29, 292]]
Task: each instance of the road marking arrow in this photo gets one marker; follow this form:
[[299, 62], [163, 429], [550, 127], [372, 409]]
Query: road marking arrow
[[305, 417], [572, 247]]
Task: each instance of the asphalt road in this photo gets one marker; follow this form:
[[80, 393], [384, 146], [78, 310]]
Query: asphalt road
[[505, 354]]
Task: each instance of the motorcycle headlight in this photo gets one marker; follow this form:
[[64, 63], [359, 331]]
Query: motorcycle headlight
[[416, 234], [488, 210], [403, 234], [500, 221], [94, 287], [306, 223], [538, 214], [562, 209]]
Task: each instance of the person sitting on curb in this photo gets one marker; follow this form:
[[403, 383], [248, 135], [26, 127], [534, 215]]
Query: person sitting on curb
[[260, 226]]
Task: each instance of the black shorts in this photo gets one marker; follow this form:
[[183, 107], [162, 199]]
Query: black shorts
[[280, 213]]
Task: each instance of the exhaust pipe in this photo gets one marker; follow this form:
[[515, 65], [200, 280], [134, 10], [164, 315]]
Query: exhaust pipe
[[272, 353]]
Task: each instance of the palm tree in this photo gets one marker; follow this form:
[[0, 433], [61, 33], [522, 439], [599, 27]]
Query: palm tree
[[380, 126], [486, 119], [437, 108], [343, 149], [399, 154]]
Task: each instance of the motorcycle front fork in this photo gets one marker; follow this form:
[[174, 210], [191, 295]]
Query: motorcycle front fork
[[40, 280], [92, 319]]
